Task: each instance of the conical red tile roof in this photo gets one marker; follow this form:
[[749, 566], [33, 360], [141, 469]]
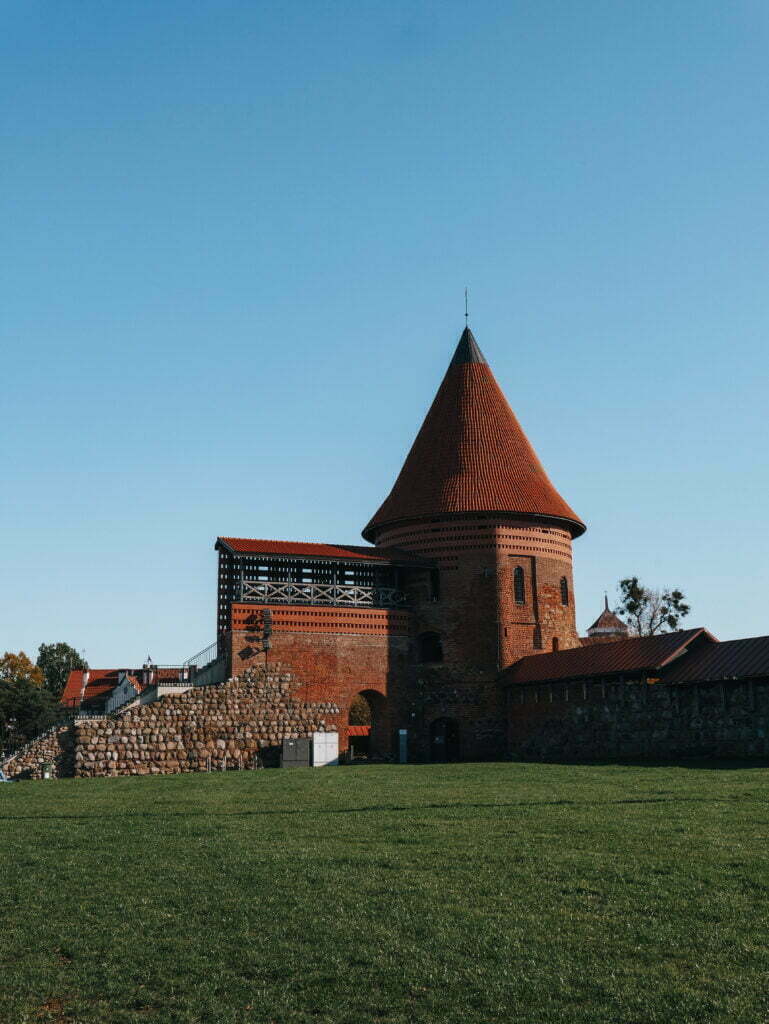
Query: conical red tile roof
[[471, 455]]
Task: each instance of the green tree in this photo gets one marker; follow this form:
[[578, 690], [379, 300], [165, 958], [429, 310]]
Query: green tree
[[56, 661], [360, 711], [26, 706], [649, 611]]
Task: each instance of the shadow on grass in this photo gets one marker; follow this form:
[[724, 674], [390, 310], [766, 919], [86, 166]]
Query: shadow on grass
[[373, 809], [711, 764]]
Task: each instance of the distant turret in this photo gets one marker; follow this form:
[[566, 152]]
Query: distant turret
[[607, 626]]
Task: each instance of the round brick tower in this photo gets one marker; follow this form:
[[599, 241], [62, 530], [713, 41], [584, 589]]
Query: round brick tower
[[473, 496]]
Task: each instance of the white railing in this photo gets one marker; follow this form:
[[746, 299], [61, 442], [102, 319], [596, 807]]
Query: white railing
[[321, 593]]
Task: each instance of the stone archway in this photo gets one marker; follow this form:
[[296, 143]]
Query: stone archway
[[369, 708]]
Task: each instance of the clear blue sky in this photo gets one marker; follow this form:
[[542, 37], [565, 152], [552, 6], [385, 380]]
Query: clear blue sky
[[236, 237]]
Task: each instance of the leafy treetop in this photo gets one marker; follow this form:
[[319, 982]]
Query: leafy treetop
[[649, 611]]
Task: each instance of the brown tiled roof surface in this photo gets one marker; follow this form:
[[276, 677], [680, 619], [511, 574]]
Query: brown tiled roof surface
[[338, 552], [740, 659], [608, 620], [471, 455], [639, 654]]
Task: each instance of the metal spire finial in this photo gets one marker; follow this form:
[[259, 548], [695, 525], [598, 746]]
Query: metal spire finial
[[466, 313]]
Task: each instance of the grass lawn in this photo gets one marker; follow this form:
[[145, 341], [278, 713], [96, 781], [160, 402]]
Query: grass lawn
[[456, 893]]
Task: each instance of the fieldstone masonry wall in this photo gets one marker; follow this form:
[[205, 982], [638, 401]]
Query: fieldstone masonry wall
[[231, 725], [594, 720], [52, 747]]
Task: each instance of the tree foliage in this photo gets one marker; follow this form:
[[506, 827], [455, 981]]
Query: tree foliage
[[56, 661], [360, 711], [17, 668], [649, 611], [26, 706]]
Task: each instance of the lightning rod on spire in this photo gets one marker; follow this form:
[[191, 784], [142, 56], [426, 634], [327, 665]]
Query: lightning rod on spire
[[466, 313]]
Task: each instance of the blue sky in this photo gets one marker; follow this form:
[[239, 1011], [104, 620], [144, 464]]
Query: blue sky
[[236, 238]]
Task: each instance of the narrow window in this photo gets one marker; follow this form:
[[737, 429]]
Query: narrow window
[[518, 586], [564, 590], [429, 648], [555, 643]]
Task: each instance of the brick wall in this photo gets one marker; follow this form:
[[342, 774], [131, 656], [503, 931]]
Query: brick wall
[[335, 654], [610, 720], [477, 615]]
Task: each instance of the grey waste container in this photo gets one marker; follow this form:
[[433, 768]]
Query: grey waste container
[[296, 754]]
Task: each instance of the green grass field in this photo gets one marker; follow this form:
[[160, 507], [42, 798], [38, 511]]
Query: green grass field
[[457, 893]]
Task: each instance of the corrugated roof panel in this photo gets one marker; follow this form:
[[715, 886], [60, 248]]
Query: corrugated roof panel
[[639, 654]]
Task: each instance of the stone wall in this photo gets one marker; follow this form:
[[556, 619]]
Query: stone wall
[[54, 746], [589, 721], [241, 723]]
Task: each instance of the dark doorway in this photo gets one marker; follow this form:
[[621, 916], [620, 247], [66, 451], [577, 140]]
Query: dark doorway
[[368, 726], [444, 740]]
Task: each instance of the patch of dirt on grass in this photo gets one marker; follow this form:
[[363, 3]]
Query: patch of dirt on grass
[[52, 1011]]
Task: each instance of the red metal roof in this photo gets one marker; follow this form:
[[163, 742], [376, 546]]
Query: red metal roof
[[337, 552], [639, 654], [731, 659], [471, 455], [358, 730]]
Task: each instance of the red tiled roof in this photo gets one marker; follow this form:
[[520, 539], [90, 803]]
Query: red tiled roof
[[100, 682], [337, 552], [607, 620], [471, 455], [358, 730], [639, 654]]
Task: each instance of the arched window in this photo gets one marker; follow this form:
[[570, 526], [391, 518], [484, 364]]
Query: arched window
[[555, 643], [518, 586], [564, 590], [429, 648]]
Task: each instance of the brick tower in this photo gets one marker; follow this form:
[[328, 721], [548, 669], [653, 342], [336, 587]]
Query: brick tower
[[473, 497]]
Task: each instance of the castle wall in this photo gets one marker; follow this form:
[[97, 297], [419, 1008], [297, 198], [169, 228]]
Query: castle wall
[[213, 726], [336, 653], [54, 747], [594, 720]]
